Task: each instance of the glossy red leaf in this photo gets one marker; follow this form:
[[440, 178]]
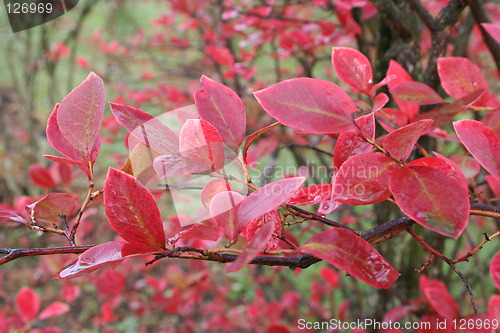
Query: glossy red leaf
[[254, 136], [200, 143], [311, 195], [80, 116], [224, 211], [460, 77], [146, 128], [132, 210], [401, 76], [200, 231], [256, 245], [267, 198], [107, 254], [352, 143], [433, 197], [481, 142], [53, 310], [494, 184], [222, 108], [363, 179], [442, 302], [328, 206], [467, 164], [495, 270], [311, 105], [52, 205], [41, 176], [353, 68], [351, 253], [493, 30], [400, 143], [251, 228], [416, 92], [27, 303]]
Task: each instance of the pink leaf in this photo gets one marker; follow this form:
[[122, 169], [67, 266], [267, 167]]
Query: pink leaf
[[28, 303], [492, 120], [401, 76], [363, 179], [353, 68], [460, 77], [200, 231], [330, 276], [254, 136], [493, 30], [52, 205], [481, 142], [442, 302], [200, 143], [132, 210], [494, 184], [11, 217], [54, 309], [394, 117], [80, 115], [352, 143], [224, 211], [257, 245], [311, 105], [467, 164], [211, 189], [494, 307], [40, 176], [400, 143], [146, 128], [432, 195], [351, 253], [379, 102], [267, 198], [495, 270], [416, 92], [311, 195], [222, 108]]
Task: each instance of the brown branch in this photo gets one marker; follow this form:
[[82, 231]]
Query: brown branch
[[18, 253]]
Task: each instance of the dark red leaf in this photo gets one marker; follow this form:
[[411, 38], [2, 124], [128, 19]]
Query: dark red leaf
[[40, 176], [256, 245], [353, 68], [222, 108], [28, 303], [132, 210], [434, 197], [80, 115], [495, 270], [311, 105], [400, 142], [351, 253], [363, 179], [311, 195], [481, 142], [416, 92], [52, 205], [146, 128], [460, 77]]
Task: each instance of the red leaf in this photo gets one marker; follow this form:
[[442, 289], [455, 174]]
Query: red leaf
[[379, 102], [442, 302], [363, 179], [495, 270], [401, 76], [200, 142], [80, 115], [222, 108], [311, 105], [492, 120], [264, 147], [352, 143], [40, 176], [351, 253], [311, 195], [353, 68], [394, 116], [212, 188], [467, 164], [400, 142], [146, 128], [140, 163], [460, 77], [224, 211], [416, 92], [494, 184], [494, 307], [11, 217], [132, 210], [449, 166], [251, 228], [54, 309], [267, 198], [444, 114], [28, 303], [330, 276], [200, 231], [254, 136], [107, 254], [52, 205], [481, 142], [493, 30], [431, 195], [257, 245]]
